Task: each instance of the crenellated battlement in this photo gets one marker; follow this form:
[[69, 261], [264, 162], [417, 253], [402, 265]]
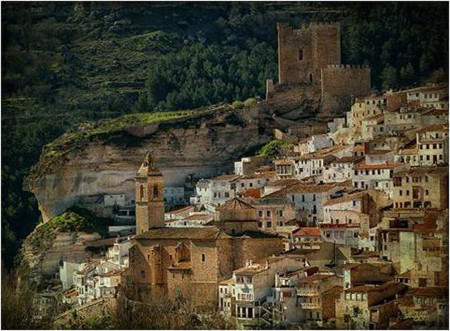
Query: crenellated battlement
[[306, 27], [347, 66]]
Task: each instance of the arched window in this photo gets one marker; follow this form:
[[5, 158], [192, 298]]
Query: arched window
[[141, 192], [310, 78], [300, 54], [155, 191]]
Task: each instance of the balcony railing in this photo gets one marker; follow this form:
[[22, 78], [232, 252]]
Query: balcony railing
[[307, 293], [309, 305]]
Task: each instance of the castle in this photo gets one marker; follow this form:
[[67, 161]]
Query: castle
[[309, 67], [189, 261]]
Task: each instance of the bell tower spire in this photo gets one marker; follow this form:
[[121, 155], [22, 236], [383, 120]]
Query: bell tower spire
[[149, 196]]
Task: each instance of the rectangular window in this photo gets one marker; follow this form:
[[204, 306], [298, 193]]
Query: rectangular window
[[203, 257]]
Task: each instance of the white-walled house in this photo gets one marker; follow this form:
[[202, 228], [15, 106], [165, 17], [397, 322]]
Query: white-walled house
[[376, 176], [245, 295], [319, 141], [432, 145], [341, 169]]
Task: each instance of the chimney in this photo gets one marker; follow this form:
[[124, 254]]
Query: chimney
[[247, 263], [267, 264]]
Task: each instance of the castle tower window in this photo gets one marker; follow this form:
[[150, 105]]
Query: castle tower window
[[310, 78], [300, 54], [155, 191], [141, 192], [203, 257]]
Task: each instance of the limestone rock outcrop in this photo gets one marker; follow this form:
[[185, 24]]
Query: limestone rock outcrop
[[203, 145]]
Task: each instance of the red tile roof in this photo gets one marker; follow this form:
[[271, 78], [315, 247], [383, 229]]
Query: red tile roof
[[306, 232], [378, 166]]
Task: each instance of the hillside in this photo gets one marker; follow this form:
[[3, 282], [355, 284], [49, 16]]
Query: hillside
[[67, 63]]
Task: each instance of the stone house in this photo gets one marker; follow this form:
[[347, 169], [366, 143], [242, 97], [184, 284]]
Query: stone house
[[368, 306], [307, 238], [318, 142], [421, 187], [429, 96], [285, 168], [329, 300], [251, 287], [432, 144], [273, 213], [416, 246], [365, 108], [425, 306], [372, 127], [247, 165], [434, 116], [310, 295], [376, 176], [309, 199], [341, 169]]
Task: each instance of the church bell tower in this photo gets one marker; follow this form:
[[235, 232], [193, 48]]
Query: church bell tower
[[149, 196]]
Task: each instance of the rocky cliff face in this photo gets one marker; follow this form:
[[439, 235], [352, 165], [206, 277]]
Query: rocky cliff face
[[204, 145]]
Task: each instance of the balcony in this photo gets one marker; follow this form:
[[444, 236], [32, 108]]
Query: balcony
[[307, 293], [309, 305]]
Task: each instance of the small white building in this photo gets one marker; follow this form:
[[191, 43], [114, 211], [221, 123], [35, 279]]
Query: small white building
[[376, 176], [341, 169], [245, 295], [215, 191], [318, 142], [432, 144], [66, 270], [196, 219], [308, 201]]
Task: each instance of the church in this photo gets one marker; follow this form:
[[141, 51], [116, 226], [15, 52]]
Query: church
[[190, 262]]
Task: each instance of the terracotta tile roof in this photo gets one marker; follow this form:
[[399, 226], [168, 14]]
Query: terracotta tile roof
[[349, 159], [308, 231], [334, 292], [202, 233], [427, 88], [409, 151], [70, 292], [374, 117], [349, 197], [230, 178], [434, 127], [305, 188], [436, 292], [439, 171], [283, 183], [436, 112], [373, 288], [198, 217], [378, 166], [251, 193], [313, 278], [236, 204], [180, 210], [284, 162]]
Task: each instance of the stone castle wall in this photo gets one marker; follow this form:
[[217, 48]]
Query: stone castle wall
[[303, 52], [340, 84]]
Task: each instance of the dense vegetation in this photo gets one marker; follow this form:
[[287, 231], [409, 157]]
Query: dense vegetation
[[65, 63]]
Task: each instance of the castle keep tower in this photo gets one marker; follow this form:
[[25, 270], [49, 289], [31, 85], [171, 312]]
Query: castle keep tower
[[310, 70], [304, 52], [149, 196]]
